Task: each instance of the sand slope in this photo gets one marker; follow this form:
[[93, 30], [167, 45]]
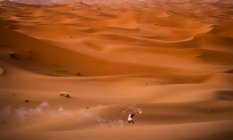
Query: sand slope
[[172, 63]]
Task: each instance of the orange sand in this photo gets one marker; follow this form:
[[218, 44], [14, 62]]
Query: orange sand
[[173, 60]]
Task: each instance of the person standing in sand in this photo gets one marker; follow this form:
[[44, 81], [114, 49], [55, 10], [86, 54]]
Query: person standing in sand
[[130, 118]]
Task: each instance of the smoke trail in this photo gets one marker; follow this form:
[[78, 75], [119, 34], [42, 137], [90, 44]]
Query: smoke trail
[[5, 112], [62, 112], [100, 120], [22, 113]]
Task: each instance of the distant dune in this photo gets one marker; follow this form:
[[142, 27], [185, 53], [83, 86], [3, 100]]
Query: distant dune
[[76, 70]]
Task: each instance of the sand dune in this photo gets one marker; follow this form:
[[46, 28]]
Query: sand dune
[[125, 21], [170, 60]]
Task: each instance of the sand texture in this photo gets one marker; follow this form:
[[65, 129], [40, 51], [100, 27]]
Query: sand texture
[[75, 71]]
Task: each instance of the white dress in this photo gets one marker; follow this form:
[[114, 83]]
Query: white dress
[[130, 117]]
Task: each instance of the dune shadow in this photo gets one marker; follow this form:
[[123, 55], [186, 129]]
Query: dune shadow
[[226, 135], [224, 94], [230, 71], [8, 23]]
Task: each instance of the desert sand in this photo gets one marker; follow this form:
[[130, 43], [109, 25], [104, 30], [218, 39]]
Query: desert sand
[[172, 60]]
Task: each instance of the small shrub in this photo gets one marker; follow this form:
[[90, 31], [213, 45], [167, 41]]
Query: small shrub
[[12, 54], [65, 94]]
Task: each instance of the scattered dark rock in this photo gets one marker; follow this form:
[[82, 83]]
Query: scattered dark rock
[[26, 100], [3, 45], [65, 94], [12, 54], [78, 74], [229, 71]]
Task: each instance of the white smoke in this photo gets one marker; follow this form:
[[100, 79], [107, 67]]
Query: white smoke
[[22, 113], [5, 112], [85, 113], [62, 112], [114, 123], [100, 120]]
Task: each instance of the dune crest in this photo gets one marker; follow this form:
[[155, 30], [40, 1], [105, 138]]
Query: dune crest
[[125, 21]]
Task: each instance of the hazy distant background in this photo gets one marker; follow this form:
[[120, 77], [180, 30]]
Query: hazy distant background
[[114, 1]]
